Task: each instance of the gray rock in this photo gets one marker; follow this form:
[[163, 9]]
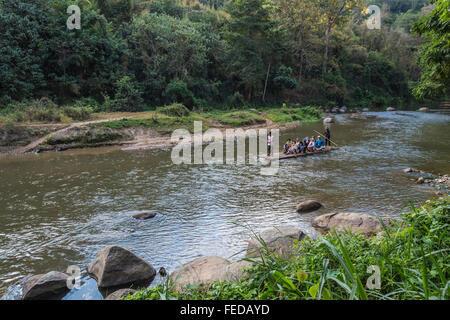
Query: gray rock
[[49, 286], [390, 109], [200, 271], [116, 266], [278, 240], [308, 206], [365, 109], [424, 109], [119, 294], [355, 222], [420, 180], [328, 120], [144, 215]]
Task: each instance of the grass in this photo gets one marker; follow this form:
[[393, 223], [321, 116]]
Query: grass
[[292, 115], [42, 111], [239, 118], [412, 256], [158, 122]]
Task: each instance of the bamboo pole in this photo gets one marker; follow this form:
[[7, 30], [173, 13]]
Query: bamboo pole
[[325, 137]]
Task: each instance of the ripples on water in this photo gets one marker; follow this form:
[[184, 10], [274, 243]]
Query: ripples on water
[[59, 209]]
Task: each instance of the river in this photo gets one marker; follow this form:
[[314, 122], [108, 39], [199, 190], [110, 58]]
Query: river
[[60, 209]]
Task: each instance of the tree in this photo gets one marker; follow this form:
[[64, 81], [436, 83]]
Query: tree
[[434, 56], [334, 13], [254, 38]]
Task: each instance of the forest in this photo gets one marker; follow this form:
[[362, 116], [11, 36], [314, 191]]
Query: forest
[[132, 55]]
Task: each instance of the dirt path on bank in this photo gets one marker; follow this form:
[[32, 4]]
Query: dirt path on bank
[[142, 138], [31, 146]]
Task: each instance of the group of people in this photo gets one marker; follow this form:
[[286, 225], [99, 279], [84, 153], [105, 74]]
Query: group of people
[[308, 144]]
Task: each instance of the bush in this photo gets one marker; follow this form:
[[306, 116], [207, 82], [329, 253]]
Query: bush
[[77, 113], [128, 96], [241, 118], [177, 91], [174, 110]]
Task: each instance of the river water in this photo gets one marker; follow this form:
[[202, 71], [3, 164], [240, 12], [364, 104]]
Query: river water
[[60, 209]]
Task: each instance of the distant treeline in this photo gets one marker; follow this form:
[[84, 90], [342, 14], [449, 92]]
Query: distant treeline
[[129, 55]]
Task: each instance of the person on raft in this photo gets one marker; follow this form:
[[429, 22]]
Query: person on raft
[[269, 143], [327, 137], [304, 145]]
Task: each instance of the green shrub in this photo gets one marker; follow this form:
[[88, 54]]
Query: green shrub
[[174, 110], [77, 113], [290, 115], [241, 118], [128, 96], [178, 92]]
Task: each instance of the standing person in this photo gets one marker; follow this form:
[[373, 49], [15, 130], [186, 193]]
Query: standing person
[[269, 143], [327, 137]]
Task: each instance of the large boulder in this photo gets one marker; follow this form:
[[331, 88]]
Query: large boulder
[[308, 206], [328, 120], [236, 271], [278, 240], [49, 286], [119, 294], [116, 266], [200, 271], [355, 222], [424, 109]]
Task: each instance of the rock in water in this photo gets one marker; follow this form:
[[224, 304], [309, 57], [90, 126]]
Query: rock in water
[[328, 120], [144, 215], [408, 170], [119, 294], [116, 266], [420, 180], [49, 286], [277, 240], [390, 109], [355, 222], [308, 206], [424, 109], [162, 272], [200, 271]]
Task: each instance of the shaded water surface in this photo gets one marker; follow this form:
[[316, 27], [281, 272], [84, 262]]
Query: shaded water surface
[[59, 209]]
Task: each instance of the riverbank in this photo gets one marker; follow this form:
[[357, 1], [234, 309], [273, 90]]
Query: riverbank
[[409, 261], [143, 129]]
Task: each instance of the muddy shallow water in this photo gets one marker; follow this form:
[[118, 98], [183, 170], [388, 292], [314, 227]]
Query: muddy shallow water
[[59, 209]]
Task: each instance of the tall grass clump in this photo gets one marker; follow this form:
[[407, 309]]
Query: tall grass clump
[[44, 110], [174, 110], [291, 115], [412, 255]]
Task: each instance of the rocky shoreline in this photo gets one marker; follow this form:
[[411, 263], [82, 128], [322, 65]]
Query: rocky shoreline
[[119, 272], [438, 181]]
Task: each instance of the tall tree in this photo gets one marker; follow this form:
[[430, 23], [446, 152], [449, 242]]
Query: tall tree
[[334, 13], [254, 38], [434, 55]]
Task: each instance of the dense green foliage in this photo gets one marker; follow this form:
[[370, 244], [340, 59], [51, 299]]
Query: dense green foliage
[[435, 52], [413, 257], [130, 54]]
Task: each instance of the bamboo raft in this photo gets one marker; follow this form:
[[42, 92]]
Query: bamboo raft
[[296, 155]]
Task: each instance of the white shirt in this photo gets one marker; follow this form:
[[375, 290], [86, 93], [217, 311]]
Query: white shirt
[[269, 140]]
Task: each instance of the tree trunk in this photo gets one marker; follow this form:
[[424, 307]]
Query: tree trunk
[[325, 55], [265, 84]]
